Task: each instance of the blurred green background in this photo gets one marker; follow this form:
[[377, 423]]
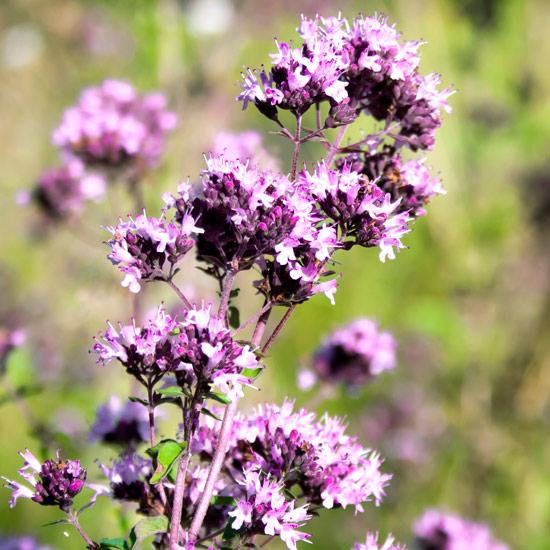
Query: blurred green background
[[464, 422]]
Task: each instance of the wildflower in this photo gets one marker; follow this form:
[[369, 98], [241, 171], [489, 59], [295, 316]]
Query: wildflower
[[353, 355], [57, 484], [198, 350], [439, 531], [371, 543], [265, 510], [141, 248], [125, 425], [113, 127], [62, 192], [330, 468], [23, 542], [363, 213]]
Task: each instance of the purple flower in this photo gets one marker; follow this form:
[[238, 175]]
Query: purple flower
[[198, 349], [58, 482], [125, 425], [371, 543], [113, 127], [330, 468], [410, 182], [265, 510], [354, 67], [436, 530], [353, 355], [364, 214], [247, 213], [141, 248], [62, 192]]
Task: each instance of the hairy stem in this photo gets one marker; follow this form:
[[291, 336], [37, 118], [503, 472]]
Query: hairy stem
[[226, 294], [221, 448], [297, 143], [333, 151], [74, 521], [183, 464], [279, 327], [252, 319], [181, 295]]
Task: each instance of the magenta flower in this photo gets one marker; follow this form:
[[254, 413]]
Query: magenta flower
[[198, 350], [352, 355], [436, 530], [265, 510], [113, 127], [53, 483], [125, 425], [62, 192], [371, 543], [330, 468]]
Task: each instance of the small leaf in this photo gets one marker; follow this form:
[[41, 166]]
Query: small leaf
[[120, 544], [139, 400], [219, 397], [289, 493], [234, 317], [147, 527], [234, 292], [221, 500], [168, 453], [252, 373], [85, 507], [205, 411], [171, 391], [229, 533], [58, 522]]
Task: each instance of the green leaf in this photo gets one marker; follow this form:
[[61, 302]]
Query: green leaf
[[229, 533], [234, 293], [120, 544], [252, 373], [139, 400], [289, 493], [234, 317], [58, 522], [147, 527], [168, 453], [220, 500], [205, 411], [171, 391], [219, 397]]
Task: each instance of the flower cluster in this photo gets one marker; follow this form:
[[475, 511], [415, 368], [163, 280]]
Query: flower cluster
[[62, 192], [141, 248], [113, 127], [371, 543], [352, 355], [439, 531], [409, 183], [362, 66], [125, 425], [57, 484], [198, 350], [364, 213], [330, 468], [265, 510]]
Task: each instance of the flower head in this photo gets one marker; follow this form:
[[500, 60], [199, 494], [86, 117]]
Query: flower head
[[436, 530], [354, 354], [54, 483], [125, 425], [113, 127]]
